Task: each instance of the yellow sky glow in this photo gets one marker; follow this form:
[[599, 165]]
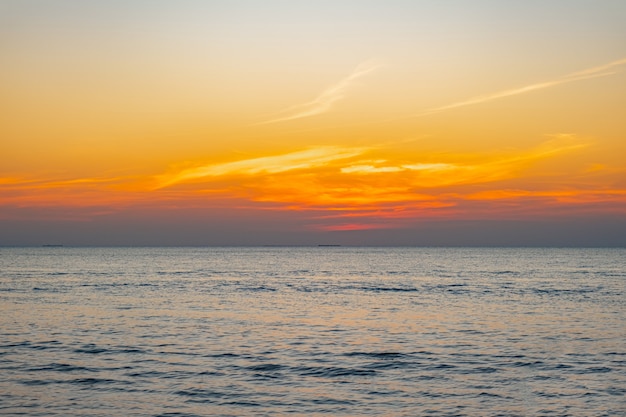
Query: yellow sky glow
[[350, 116]]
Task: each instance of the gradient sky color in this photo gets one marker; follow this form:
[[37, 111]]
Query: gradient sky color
[[313, 122]]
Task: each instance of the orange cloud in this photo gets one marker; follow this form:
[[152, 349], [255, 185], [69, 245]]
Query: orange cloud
[[336, 185]]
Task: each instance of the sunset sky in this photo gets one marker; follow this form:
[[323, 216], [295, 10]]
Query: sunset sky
[[352, 122]]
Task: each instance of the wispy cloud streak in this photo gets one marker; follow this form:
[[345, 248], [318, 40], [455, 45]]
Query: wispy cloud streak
[[306, 159], [599, 71], [325, 101]]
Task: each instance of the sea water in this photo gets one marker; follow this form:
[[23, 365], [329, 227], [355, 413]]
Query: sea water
[[333, 331]]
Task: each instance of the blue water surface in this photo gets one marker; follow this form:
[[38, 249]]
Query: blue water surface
[[342, 331]]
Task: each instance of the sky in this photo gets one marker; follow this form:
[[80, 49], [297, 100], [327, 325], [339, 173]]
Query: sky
[[290, 122]]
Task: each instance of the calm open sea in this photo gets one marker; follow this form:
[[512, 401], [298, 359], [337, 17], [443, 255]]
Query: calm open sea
[[312, 331]]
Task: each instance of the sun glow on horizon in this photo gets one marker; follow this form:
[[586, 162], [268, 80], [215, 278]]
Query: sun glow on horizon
[[320, 117], [338, 181]]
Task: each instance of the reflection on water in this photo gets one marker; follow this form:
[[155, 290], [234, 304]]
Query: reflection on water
[[312, 331]]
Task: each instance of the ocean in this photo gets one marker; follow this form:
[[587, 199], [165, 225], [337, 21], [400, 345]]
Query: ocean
[[312, 331]]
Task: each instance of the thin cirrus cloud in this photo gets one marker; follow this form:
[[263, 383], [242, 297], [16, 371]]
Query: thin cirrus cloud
[[594, 72], [326, 100], [309, 158]]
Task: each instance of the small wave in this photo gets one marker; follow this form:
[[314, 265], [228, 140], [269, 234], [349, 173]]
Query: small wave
[[595, 370], [168, 273], [480, 370], [78, 381], [91, 350], [506, 272], [455, 288], [43, 345], [38, 382], [442, 366], [94, 349], [471, 331], [223, 355], [177, 414], [268, 367], [393, 365], [148, 374], [242, 403], [19, 344], [566, 291], [384, 393], [202, 393], [122, 349], [178, 353], [60, 367], [300, 272], [377, 355], [260, 288], [331, 401], [94, 381], [391, 289], [523, 364], [333, 372], [489, 394]]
